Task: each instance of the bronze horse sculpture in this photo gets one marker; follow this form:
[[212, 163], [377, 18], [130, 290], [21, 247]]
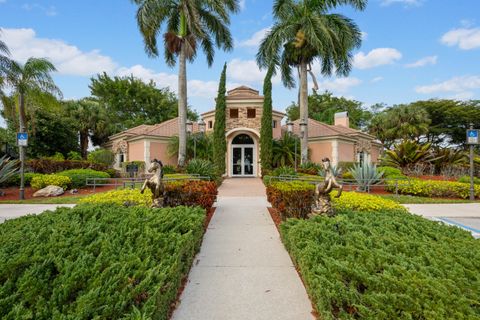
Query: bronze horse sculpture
[[323, 203], [155, 184]]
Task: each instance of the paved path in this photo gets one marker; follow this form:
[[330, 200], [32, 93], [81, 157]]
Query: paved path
[[12, 211], [463, 215], [243, 271]]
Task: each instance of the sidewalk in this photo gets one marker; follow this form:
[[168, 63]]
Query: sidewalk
[[12, 211], [243, 270]]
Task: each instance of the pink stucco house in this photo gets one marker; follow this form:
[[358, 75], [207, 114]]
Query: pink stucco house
[[338, 142]]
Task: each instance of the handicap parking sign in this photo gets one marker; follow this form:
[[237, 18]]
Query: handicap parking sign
[[22, 139], [472, 136]]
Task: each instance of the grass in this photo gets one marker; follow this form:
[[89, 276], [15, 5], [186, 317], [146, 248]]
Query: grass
[[51, 200], [405, 199]]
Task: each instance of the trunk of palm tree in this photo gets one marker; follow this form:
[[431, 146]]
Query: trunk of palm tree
[[303, 112], [182, 107], [84, 144], [21, 151]]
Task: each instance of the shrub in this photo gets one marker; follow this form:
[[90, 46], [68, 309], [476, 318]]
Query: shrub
[[14, 181], [366, 175], [131, 197], [102, 156], [434, 188], [58, 156], [45, 165], [364, 202], [113, 173], [44, 180], [74, 155], [283, 171], [311, 168], [79, 176], [202, 167], [392, 173], [386, 265], [466, 179], [347, 175], [344, 166], [97, 262], [169, 169]]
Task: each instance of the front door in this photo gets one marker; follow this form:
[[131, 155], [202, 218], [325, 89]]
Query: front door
[[242, 157]]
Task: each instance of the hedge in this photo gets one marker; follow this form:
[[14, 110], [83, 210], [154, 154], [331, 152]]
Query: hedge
[[14, 181], [187, 193], [96, 262], [45, 165], [434, 188], [44, 180], [387, 265], [79, 176], [294, 199]]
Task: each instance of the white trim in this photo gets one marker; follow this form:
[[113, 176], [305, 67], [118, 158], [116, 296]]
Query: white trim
[[230, 135], [146, 153], [335, 152]]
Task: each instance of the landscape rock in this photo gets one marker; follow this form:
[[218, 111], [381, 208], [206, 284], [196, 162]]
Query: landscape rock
[[50, 191]]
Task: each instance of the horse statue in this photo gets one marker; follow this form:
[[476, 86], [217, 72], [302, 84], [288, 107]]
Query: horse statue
[[155, 184], [323, 204]]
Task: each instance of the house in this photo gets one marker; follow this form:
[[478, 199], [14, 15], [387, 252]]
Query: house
[[338, 142]]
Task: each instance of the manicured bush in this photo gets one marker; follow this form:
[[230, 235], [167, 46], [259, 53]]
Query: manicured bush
[[466, 179], [79, 176], [44, 180], [97, 262], [113, 173], [129, 197], [363, 202], [348, 176], [14, 181], [387, 265], [102, 156], [434, 188], [283, 171], [391, 172], [74, 155], [46, 165]]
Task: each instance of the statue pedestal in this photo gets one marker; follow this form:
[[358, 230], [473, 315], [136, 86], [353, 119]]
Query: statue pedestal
[[323, 206], [158, 202]]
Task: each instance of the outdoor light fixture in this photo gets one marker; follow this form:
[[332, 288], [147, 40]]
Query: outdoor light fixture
[[189, 127], [290, 126], [303, 128], [201, 126]]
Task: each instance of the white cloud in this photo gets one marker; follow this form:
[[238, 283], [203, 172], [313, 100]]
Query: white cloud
[[430, 60], [376, 79], [464, 38], [376, 57], [49, 11], [247, 71], [255, 39], [461, 87], [69, 60], [404, 2], [241, 3], [338, 85]]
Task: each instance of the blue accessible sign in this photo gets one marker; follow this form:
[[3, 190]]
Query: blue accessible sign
[[22, 139], [472, 136]]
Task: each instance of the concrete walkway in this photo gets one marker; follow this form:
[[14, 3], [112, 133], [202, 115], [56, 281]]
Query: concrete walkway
[[12, 211], [243, 271]]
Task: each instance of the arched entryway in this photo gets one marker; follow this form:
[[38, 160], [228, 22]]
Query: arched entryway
[[243, 156]]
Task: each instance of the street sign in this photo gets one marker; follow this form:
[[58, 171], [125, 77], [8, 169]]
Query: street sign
[[472, 136], [22, 139]]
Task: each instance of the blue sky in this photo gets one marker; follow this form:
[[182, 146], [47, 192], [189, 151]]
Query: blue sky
[[412, 49]]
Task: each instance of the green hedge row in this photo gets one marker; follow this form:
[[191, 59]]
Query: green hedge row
[[434, 188], [388, 265], [96, 262], [79, 176]]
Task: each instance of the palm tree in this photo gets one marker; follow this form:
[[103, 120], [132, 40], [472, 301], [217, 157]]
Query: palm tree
[[4, 62], [187, 24], [28, 80], [283, 151], [304, 32]]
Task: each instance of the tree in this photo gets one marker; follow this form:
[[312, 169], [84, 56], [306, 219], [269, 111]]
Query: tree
[[188, 23], [303, 32], [284, 151], [266, 134], [30, 79], [219, 142], [86, 113], [322, 107], [130, 102]]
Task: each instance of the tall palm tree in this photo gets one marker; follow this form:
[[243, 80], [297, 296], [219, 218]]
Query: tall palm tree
[[303, 32], [186, 24], [27, 80], [4, 62]]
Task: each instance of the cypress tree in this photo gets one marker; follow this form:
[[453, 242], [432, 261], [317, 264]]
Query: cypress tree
[[266, 134], [219, 142]]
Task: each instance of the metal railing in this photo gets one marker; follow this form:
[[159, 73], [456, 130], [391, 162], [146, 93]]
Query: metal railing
[[348, 184], [132, 182]]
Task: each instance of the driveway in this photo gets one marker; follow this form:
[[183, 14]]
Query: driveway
[[462, 215], [12, 211]]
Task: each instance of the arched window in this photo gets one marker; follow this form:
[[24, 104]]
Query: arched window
[[242, 139]]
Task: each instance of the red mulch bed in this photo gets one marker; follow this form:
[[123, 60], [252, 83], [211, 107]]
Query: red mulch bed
[[275, 217], [13, 193]]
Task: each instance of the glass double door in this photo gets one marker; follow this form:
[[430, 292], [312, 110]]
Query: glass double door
[[242, 157]]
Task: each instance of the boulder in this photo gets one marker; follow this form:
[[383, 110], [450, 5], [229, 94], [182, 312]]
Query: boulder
[[50, 191]]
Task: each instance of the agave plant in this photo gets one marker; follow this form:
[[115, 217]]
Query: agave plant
[[408, 153], [8, 168], [366, 175]]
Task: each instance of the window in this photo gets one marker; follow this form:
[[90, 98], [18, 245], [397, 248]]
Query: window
[[274, 124], [251, 113], [121, 158], [210, 124], [242, 139], [233, 113]]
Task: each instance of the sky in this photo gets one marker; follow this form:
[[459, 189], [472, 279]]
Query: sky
[[411, 49]]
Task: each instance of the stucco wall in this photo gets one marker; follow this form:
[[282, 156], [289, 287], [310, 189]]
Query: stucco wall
[[346, 151], [158, 150], [277, 132], [319, 150], [136, 151], [375, 154]]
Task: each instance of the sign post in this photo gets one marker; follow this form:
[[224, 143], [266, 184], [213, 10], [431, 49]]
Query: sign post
[[472, 140], [22, 139]]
